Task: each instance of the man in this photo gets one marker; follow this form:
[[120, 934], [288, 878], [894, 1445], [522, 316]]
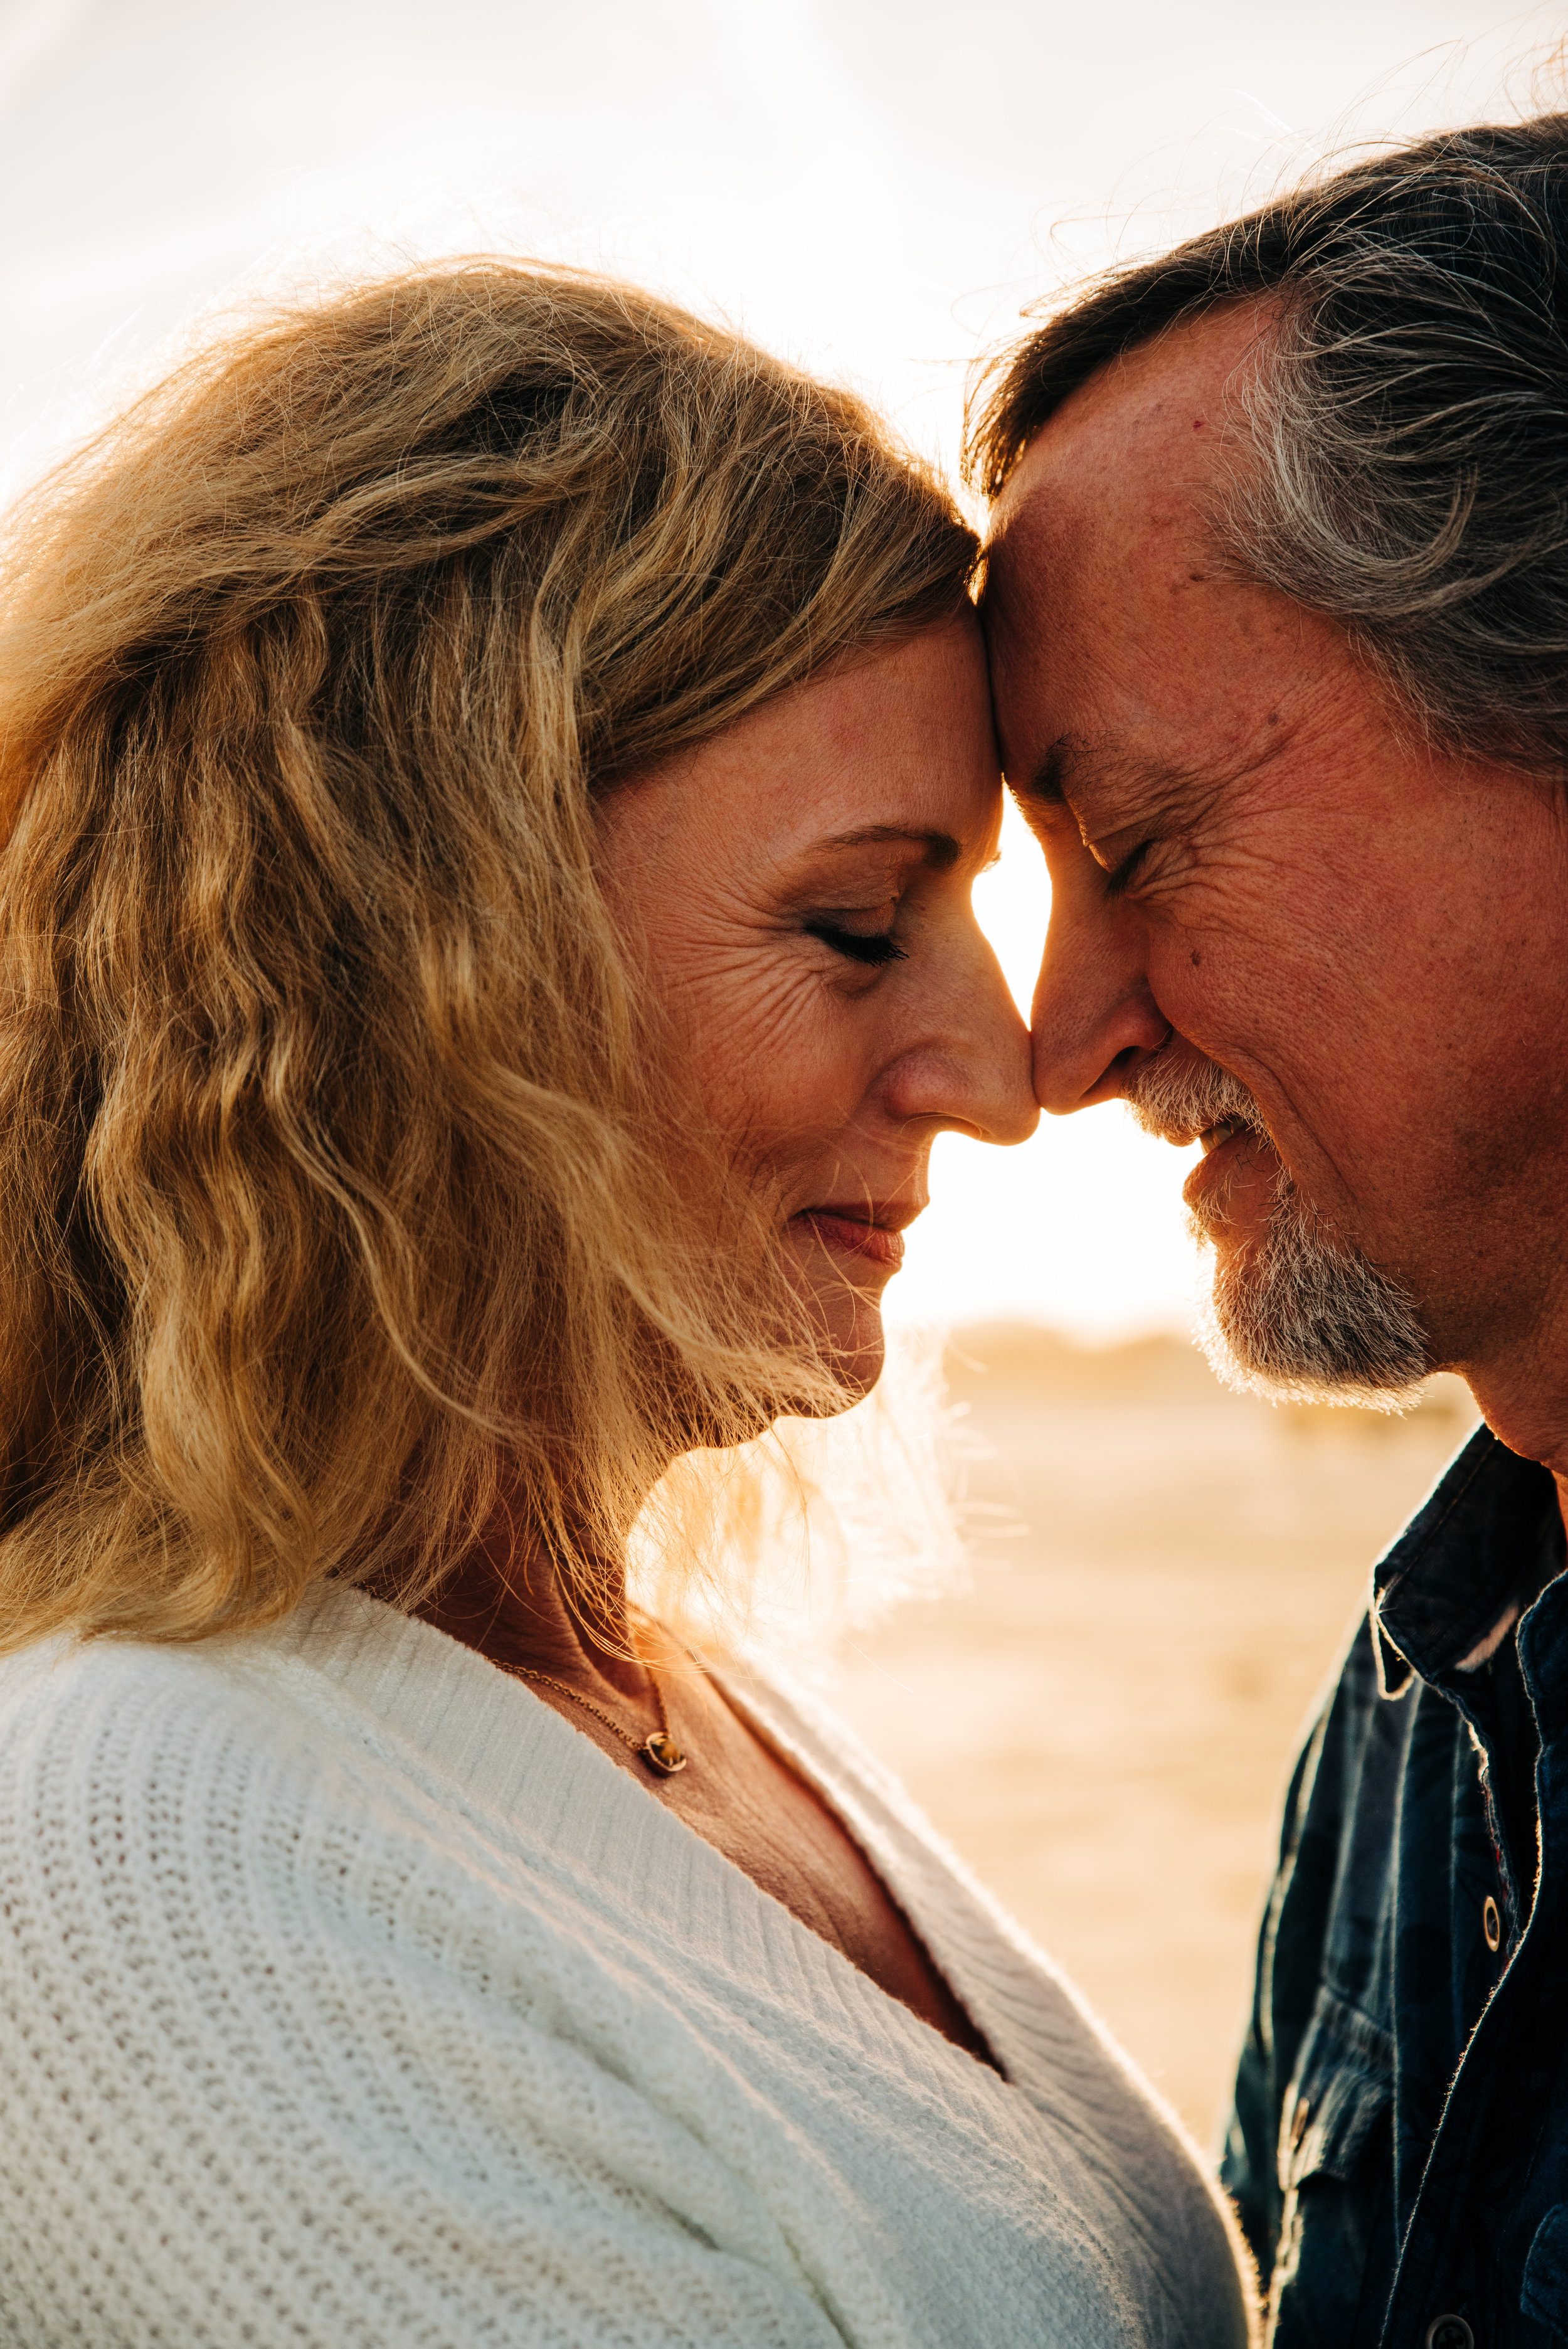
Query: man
[[1278, 605]]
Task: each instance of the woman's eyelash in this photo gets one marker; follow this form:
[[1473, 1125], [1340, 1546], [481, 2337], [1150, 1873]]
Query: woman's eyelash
[[874, 946]]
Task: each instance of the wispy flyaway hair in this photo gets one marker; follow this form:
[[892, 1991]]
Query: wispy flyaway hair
[[329, 1164], [1405, 467]]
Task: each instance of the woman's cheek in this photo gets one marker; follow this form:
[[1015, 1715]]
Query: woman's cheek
[[793, 1060]]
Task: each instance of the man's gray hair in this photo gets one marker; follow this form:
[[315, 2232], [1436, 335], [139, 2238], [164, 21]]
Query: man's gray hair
[[1409, 415]]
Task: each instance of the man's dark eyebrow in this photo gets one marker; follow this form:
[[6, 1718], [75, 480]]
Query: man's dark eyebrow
[[941, 849], [1049, 779], [1073, 760]]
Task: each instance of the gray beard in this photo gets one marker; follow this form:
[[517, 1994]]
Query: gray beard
[[1300, 1315]]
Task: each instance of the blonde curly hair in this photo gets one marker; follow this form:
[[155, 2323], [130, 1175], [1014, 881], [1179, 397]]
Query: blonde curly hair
[[327, 1184]]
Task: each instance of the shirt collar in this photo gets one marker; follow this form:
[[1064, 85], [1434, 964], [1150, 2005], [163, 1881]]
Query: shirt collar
[[1479, 1540]]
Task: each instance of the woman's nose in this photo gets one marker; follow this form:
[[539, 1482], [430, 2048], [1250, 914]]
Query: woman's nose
[[970, 1070], [1005, 1110]]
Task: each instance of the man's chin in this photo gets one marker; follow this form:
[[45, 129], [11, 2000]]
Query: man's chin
[[1298, 1313]]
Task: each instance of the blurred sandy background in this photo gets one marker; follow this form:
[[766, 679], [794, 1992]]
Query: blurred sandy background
[[1103, 1718]]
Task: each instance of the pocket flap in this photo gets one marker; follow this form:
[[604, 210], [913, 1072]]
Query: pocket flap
[[1343, 2083], [1544, 2296]]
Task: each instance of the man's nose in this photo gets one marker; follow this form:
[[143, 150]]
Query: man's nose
[[1095, 1018]]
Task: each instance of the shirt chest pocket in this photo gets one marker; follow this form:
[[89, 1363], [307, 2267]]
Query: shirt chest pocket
[[1343, 2087], [1333, 2123]]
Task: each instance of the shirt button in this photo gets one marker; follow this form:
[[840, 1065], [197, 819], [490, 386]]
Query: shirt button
[[1449, 2332], [1491, 1926]]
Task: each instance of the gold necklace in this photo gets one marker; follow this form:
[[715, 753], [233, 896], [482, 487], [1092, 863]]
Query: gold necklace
[[660, 1751]]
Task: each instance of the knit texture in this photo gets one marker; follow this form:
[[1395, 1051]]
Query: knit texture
[[353, 1997]]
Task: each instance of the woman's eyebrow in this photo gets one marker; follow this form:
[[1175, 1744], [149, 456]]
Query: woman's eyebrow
[[941, 849]]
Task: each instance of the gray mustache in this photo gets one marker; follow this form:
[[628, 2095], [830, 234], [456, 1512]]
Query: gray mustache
[[1176, 1099]]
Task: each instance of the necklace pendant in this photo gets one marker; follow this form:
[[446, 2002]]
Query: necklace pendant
[[661, 1753]]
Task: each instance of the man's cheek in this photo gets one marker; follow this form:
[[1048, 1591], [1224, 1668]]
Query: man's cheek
[[1252, 996]]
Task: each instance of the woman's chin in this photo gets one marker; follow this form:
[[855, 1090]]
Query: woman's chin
[[843, 1296], [854, 1346]]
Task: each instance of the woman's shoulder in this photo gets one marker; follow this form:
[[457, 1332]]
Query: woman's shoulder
[[136, 1777], [90, 1712], [338, 1774], [126, 1766], [106, 1712], [266, 1820]]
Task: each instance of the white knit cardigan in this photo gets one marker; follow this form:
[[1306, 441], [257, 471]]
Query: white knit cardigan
[[352, 1999]]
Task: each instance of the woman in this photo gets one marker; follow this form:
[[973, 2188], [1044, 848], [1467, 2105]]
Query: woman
[[493, 773]]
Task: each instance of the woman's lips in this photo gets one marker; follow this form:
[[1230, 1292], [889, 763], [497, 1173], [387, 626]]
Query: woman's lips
[[854, 1235]]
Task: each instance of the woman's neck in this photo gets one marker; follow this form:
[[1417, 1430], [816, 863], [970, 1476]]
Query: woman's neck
[[504, 1599]]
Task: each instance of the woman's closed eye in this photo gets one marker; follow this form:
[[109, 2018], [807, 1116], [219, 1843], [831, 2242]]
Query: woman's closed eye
[[874, 947]]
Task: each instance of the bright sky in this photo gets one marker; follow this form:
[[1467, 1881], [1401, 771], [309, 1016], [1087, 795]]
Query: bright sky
[[874, 187]]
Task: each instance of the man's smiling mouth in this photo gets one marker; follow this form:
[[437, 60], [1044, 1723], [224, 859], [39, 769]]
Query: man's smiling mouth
[[1215, 1136]]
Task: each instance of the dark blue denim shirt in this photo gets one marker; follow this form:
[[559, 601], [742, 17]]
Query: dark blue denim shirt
[[1398, 2147]]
